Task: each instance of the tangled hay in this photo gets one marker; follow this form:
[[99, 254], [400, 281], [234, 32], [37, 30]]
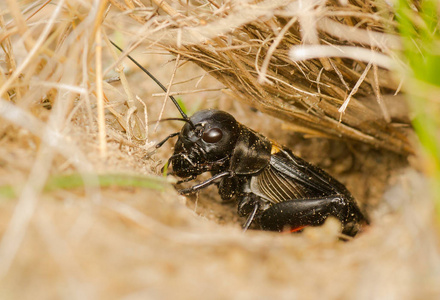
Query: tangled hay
[[92, 234], [257, 50]]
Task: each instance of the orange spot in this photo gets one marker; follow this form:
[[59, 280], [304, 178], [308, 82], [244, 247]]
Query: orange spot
[[297, 229], [291, 229]]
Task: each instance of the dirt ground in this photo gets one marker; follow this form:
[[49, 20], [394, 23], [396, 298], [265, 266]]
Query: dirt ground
[[151, 243]]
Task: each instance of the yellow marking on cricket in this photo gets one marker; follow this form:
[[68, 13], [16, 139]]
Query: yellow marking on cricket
[[275, 149]]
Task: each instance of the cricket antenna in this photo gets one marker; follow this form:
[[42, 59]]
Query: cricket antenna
[[157, 82]]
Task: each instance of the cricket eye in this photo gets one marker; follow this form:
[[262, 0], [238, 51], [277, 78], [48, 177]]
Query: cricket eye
[[212, 135]]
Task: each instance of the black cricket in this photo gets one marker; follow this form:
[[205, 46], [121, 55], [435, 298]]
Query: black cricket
[[271, 185]]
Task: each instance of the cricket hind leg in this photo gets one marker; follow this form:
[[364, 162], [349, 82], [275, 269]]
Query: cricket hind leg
[[299, 213]]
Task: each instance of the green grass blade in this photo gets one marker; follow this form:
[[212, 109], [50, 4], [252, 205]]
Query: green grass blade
[[74, 181]]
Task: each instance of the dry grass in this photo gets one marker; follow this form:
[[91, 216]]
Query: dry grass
[[133, 242], [256, 51]]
